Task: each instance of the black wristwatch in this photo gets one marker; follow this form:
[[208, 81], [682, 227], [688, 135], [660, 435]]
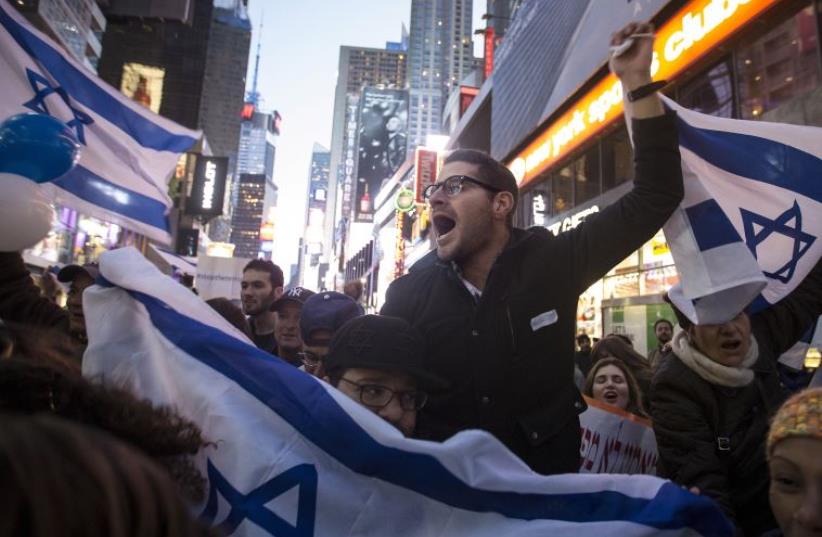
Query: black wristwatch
[[647, 89]]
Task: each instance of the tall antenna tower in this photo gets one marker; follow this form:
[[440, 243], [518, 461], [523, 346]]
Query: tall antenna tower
[[254, 96]]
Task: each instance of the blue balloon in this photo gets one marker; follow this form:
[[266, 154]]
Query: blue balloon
[[37, 146]]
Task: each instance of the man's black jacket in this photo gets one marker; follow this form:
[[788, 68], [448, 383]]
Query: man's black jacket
[[509, 357]]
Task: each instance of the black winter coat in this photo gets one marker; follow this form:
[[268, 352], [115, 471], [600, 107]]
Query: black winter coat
[[692, 417], [510, 356]]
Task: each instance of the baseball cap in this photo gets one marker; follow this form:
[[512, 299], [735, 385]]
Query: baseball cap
[[68, 273], [384, 343], [295, 294], [326, 311]]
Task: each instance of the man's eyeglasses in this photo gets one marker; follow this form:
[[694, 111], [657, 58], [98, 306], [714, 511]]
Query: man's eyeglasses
[[310, 359], [453, 186], [377, 396]]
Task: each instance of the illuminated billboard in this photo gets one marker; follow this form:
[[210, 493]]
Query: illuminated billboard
[[381, 148], [208, 188], [143, 84], [692, 32]]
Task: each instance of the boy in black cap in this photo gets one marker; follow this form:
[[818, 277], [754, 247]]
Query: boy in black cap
[[287, 310], [378, 362], [323, 314]]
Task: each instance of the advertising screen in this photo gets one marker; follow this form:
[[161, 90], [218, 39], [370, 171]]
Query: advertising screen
[[143, 84], [208, 188], [382, 140]]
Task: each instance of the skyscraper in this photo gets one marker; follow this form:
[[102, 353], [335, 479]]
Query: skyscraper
[[247, 215], [440, 56], [315, 215], [358, 67]]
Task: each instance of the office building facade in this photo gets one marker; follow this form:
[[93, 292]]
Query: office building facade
[[358, 67], [440, 56], [77, 25]]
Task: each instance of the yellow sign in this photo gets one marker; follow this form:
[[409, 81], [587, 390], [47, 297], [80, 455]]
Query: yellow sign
[[685, 38]]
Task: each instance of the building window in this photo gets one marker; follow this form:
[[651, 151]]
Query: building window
[[780, 65], [562, 189], [586, 176], [710, 92], [617, 159]]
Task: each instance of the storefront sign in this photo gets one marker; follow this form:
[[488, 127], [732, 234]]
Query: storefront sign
[[570, 222], [615, 441], [694, 31], [404, 202], [539, 209], [208, 190], [425, 171]]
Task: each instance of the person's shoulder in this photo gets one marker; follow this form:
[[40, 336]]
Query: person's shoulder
[[671, 370]]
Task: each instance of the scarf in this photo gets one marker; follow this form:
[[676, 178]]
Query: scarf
[[711, 371]]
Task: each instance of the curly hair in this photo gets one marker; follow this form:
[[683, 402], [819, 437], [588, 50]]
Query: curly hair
[[28, 387], [62, 479]]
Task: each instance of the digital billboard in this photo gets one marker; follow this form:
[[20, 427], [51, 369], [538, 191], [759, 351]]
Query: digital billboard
[[208, 188], [381, 145], [143, 84]]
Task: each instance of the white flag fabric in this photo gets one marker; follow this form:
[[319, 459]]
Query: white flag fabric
[[295, 457], [127, 153], [748, 227]]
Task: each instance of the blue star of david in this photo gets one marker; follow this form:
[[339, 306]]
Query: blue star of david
[[42, 89], [251, 506], [802, 241]]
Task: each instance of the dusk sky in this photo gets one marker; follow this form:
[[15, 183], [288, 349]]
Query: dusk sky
[[298, 70]]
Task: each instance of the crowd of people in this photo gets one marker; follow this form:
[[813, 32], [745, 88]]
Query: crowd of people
[[477, 335]]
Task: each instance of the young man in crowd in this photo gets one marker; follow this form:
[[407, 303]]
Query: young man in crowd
[[79, 278], [287, 310], [322, 315], [583, 356], [378, 362], [262, 285], [664, 332], [497, 305]]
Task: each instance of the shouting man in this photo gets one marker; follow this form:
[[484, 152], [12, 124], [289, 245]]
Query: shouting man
[[497, 304]]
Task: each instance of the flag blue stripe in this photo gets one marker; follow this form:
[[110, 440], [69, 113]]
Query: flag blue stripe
[[306, 406], [756, 158], [710, 225], [86, 91], [94, 189]]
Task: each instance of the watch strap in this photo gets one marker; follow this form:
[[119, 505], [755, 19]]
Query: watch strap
[[647, 89]]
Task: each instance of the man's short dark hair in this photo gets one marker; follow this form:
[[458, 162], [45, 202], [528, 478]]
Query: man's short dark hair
[[275, 273], [583, 337], [490, 171], [666, 321]]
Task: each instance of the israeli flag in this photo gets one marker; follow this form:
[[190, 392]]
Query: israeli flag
[[747, 231], [127, 153], [295, 457]]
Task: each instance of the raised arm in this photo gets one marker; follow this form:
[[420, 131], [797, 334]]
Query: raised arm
[[608, 237], [20, 299]]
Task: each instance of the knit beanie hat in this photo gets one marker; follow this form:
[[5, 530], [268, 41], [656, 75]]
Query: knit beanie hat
[[801, 415]]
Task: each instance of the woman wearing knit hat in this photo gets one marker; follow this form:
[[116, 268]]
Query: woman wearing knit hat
[[795, 464]]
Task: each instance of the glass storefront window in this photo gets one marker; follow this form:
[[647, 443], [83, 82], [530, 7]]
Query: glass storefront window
[[617, 159], [562, 189], [656, 253], [586, 185], [780, 65], [710, 92]]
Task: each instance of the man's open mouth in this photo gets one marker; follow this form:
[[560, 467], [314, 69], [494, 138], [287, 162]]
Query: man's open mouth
[[443, 224]]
